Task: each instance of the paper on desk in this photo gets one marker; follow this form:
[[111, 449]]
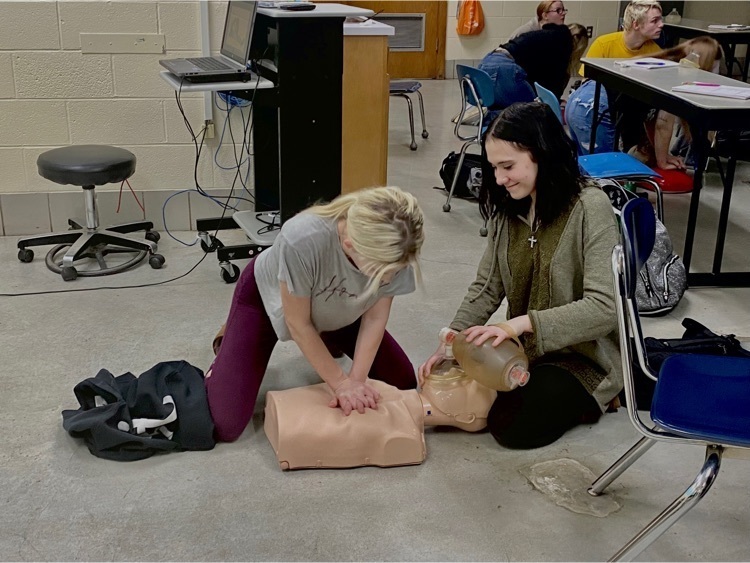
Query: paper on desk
[[730, 27], [647, 63], [736, 92]]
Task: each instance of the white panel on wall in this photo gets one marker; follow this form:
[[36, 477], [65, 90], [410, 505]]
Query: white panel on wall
[[102, 17]]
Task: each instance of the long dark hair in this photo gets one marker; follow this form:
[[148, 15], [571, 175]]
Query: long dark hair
[[533, 127]]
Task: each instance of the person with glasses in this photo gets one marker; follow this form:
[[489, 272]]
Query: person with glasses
[[546, 56], [549, 11], [642, 24]]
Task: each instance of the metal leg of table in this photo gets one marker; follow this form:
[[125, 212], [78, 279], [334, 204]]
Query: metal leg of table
[[716, 277], [700, 150]]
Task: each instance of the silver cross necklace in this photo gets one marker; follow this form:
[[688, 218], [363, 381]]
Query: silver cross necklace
[[534, 226]]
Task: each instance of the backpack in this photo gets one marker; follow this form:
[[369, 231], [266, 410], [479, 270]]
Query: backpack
[[697, 339], [663, 280], [469, 178]]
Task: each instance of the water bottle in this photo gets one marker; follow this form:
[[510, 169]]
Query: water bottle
[[673, 16], [502, 368], [693, 60]]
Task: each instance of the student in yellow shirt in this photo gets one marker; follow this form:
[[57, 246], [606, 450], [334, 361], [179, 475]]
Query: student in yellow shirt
[[642, 23]]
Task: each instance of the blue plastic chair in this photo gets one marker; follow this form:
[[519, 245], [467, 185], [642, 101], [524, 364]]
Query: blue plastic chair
[[402, 89], [477, 90], [699, 399], [612, 165]]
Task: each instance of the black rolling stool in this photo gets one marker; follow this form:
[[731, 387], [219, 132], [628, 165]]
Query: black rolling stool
[[90, 166]]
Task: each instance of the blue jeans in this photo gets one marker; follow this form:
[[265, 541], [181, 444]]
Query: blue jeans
[[509, 79], [579, 113]]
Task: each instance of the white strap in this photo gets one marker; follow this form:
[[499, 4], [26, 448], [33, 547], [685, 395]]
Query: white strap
[[141, 424]]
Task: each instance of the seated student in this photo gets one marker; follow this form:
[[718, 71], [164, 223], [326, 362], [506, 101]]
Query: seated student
[[327, 283], [548, 254], [654, 149], [642, 23], [548, 11], [544, 56]]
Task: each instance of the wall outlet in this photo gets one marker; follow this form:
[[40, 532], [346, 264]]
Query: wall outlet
[[590, 31], [210, 131]]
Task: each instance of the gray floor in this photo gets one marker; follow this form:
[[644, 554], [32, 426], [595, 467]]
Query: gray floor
[[468, 501]]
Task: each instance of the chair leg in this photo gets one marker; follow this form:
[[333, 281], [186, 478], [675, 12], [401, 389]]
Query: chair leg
[[425, 134], [619, 467], [459, 164], [681, 505], [413, 145]]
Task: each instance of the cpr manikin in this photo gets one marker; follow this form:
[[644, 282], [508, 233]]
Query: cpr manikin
[[305, 432]]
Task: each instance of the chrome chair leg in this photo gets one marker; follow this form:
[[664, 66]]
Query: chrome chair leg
[[681, 505], [425, 134], [459, 164], [619, 467]]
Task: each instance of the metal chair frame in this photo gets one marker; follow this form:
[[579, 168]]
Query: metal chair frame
[[470, 95], [394, 90], [626, 259]]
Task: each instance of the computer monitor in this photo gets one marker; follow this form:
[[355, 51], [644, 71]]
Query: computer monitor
[[238, 30]]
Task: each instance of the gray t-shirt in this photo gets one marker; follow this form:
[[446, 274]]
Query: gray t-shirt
[[308, 257], [531, 25]]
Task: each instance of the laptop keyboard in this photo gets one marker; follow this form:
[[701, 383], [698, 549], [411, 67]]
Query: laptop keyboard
[[208, 63]]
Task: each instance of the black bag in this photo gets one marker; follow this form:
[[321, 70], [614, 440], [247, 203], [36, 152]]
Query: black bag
[[126, 418], [697, 339], [741, 145], [663, 280], [469, 178]]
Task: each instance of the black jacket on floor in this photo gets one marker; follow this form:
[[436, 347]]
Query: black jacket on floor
[[126, 418]]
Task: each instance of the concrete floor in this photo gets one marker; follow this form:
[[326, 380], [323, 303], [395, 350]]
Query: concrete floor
[[467, 501]]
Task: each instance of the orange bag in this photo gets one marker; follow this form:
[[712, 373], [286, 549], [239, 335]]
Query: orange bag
[[469, 16]]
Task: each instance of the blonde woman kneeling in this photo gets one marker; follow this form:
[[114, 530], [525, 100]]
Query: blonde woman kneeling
[[327, 283]]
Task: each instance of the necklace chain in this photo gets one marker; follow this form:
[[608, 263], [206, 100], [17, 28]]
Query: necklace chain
[[534, 227]]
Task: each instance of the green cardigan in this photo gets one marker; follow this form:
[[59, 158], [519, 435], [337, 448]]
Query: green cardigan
[[582, 316]]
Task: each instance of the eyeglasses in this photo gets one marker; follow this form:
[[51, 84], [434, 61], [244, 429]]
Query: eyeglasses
[[559, 11]]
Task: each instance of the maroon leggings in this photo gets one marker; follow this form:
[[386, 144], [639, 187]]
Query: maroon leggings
[[239, 367]]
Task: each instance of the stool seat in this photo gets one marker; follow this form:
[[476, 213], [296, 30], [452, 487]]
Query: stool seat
[[86, 165]]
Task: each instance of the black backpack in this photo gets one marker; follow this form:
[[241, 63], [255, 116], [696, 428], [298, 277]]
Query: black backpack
[[469, 178], [697, 339], [663, 280]]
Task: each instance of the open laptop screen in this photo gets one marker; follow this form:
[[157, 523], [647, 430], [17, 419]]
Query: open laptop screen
[[238, 29]]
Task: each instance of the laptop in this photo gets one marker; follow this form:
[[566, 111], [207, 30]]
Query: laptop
[[231, 64]]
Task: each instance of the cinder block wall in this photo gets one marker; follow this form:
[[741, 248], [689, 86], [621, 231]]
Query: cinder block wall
[[502, 18], [52, 94]]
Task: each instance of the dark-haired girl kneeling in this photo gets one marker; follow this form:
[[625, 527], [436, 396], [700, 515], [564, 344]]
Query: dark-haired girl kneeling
[[551, 239]]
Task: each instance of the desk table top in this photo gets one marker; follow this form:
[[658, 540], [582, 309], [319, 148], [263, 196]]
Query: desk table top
[[654, 87]]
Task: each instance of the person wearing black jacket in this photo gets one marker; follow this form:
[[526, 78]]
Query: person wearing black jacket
[[545, 56]]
